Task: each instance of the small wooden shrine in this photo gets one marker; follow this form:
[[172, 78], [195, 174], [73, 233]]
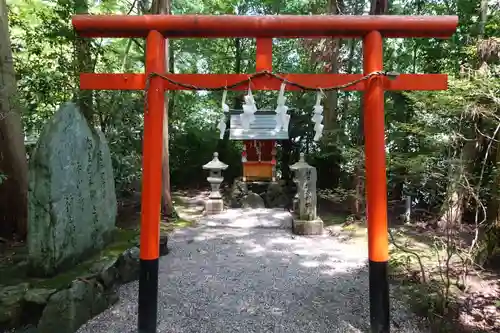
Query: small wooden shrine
[[259, 144]]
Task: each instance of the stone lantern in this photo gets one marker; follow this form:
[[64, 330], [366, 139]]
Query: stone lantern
[[305, 218], [214, 203]]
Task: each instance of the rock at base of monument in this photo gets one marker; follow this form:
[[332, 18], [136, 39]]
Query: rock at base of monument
[[35, 301], [252, 200], [11, 305], [214, 206], [164, 245], [270, 194], [275, 195], [128, 265], [305, 227], [70, 304], [69, 309]]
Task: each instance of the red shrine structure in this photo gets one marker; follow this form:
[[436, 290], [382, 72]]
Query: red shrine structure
[[373, 82], [258, 156], [259, 160]]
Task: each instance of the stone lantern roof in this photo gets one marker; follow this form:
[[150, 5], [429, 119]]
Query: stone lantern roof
[[215, 164], [301, 164]]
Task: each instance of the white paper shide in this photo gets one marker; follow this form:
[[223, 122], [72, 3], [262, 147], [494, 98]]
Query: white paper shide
[[317, 117], [282, 118]]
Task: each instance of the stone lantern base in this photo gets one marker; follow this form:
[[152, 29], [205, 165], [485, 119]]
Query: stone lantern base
[[307, 227], [214, 206]]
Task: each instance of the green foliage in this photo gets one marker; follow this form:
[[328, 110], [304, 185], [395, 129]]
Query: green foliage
[[425, 130]]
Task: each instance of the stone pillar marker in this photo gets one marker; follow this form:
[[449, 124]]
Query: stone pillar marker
[[214, 204], [305, 218]]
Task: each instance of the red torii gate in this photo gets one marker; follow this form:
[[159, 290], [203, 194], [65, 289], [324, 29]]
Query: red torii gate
[[155, 28]]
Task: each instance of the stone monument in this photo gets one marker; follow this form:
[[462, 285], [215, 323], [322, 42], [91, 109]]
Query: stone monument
[[71, 199], [305, 219], [214, 204]]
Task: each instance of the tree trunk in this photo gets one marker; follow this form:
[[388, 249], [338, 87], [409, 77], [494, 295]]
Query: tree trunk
[[286, 153], [483, 17], [13, 163], [356, 202], [84, 64], [453, 207], [163, 7], [490, 240], [378, 7], [490, 254], [331, 101], [223, 144], [357, 182]]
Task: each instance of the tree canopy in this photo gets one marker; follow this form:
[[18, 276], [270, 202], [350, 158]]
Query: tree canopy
[[441, 146]]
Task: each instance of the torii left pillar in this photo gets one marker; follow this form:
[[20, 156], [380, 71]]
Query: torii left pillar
[[151, 184]]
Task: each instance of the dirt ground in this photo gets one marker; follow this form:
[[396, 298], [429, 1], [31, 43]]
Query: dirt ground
[[476, 292], [478, 308]]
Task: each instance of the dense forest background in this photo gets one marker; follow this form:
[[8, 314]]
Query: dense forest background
[[443, 147]]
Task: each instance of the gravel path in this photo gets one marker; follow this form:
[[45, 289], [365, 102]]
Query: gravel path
[[228, 279]]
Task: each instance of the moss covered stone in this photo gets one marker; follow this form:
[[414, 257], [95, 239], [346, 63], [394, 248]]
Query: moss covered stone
[[11, 304], [70, 308], [72, 200]]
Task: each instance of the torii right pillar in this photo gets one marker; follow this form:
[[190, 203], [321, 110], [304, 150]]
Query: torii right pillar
[[376, 183]]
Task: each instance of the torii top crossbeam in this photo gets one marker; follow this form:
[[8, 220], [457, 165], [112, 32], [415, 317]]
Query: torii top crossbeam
[[290, 26], [262, 27], [155, 28]]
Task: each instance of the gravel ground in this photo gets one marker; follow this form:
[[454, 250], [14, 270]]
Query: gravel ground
[[219, 279]]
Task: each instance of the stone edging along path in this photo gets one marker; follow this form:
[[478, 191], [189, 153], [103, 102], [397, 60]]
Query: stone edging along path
[[64, 310]]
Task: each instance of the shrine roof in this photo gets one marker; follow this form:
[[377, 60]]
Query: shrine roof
[[261, 129]]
